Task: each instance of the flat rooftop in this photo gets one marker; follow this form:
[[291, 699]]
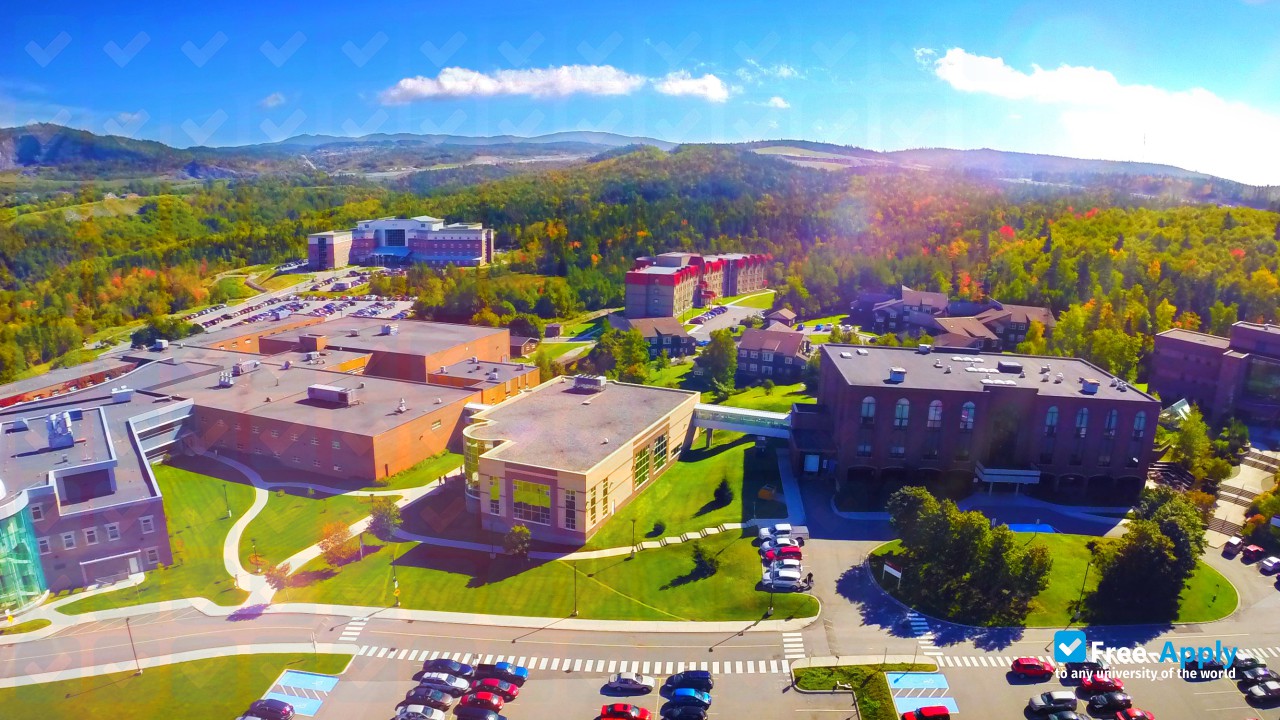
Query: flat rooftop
[[868, 366], [113, 365], [1197, 337], [261, 327], [276, 393], [414, 337], [485, 373], [557, 426]]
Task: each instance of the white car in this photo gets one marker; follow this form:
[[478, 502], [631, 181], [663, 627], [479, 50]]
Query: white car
[[419, 712], [1270, 566], [784, 580], [769, 532], [774, 543], [787, 564], [628, 682]]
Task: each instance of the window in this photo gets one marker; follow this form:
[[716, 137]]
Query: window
[[766, 356], [754, 354], [1109, 425], [335, 444], [1082, 422], [901, 413], [239, 446], [147, 524], [293, 437], [275, 433], [436, 425], [531, 501], [898, 445], [1139, 425], [768, 369], [42, 544], [640, 467], [337, 468], [754, 367], [967, 413], [315, 441], [660, 452], [570, 510], [931, 442], [495, 496], [113, 532], [786, 360], [868, 410], [255, 429], [1051, 422], [296, 459], [236, 426], [91, 536], [37, 512], [935, 415], [315, 463], [153, 556], [592, 505], [69, 541]]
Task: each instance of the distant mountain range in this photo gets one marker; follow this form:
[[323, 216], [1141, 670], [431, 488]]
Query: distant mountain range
[[54, 151]]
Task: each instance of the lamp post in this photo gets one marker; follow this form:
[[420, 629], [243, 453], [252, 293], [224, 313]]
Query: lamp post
[[633, 537], [227, 500], [129, 629], [769, 612], [395, 582], [574, 568], [257, 561]]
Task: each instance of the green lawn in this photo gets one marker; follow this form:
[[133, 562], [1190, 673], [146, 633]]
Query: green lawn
[[761, 301], [273, 282], [780, 399], [421, 474], [683, 498], [196, 509], [292, 521], [837, 319], [23, 627], [672, 376], [556, 349], [875, 701], [213, 689], [572, 330], [652, 586], [1209, 597], [233, 287]]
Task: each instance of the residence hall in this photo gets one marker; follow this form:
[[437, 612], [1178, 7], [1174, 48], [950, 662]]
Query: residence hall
[[564, 457], [669, 284], [1233, 376], [1001, 420]]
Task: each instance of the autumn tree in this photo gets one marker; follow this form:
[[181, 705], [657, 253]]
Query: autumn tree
[[335, 543]]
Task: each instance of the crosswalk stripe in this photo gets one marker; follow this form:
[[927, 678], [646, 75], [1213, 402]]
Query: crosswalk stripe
[[382, 651], [680, 667], [577, 665], [466, 658], [363, 649], [487, 658], [613, 665], [968, 661], [555, 663], [737, 667], [520, 662], [542, 664], [402, 654], [645, 668], [715, 668], [751, 666], [668, 672]]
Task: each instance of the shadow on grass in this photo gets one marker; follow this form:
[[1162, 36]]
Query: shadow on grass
[[103, 686], [482, 569]]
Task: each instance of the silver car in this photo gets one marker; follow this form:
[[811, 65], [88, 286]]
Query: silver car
[[629, 682], [419, 712], [446, 683]]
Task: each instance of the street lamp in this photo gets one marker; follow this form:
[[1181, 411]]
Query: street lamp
[[574, 568], [257, 561], [633, 537], [227, 500]]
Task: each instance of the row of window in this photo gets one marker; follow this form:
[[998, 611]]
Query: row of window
[[968, 413], [91, 535]]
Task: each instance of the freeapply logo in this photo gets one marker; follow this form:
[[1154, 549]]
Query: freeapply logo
[[1069, 646]]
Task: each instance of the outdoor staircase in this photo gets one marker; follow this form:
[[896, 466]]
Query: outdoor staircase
[[1226, 527], [1261, 461], [1166, 473]]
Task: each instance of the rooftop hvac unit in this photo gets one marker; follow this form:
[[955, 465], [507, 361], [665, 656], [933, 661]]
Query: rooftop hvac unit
[[391, 329], [1089, 386], [897, 374], [122, 394], [1009, 366], [353, 333], [401, 408], [863, 351], [225, 380], [58, 426], [1057, 378], [589, 383], [332, 394], [244, 367], [20, 424], [924, 349], [492, 376], [312, 355]]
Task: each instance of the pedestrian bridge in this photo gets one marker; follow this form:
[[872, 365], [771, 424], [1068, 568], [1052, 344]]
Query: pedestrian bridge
[[753, 422]]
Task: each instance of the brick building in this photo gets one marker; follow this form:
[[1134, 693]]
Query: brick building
[[671, 283], [779, 355], [1238, 375], [1001, 420], [402, 241], [663, 334]]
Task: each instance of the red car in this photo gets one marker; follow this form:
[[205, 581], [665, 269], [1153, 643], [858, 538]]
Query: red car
[[486, 700], [624, 711], [1099, 683], [1029, 667], [785, 552], [1134, 714], [928, 712], [1253, 552], [502, 688]]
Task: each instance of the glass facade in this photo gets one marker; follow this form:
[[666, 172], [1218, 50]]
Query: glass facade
[[21, 578]]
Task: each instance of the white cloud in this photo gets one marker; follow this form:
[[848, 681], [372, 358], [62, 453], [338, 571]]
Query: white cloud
[[778, 102], [275, 99], [708, 87], [756, 72], [1104, 118], [455, 82]]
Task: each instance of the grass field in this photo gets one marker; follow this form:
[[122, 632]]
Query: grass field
[[572, 330], [273, 282], [233, 287], [827, 320], [759, 301], [23, 627], [196, 510], [1209, 596], [654, 585], [292, 521], [213, 689], [683, 498], [672, 376], [875, 700], [779, 400], [557, 349]]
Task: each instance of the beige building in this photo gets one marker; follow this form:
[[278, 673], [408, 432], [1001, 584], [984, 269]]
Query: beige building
[[565, 456]]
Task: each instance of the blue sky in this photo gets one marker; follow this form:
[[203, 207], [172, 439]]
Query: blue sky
[[1196, 84]]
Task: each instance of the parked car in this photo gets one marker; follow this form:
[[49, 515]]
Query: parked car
[[1202, 669], [449, 667], [1109, 701], [689, 696], [510, 672], [631, 683], [1269, 566], [1100, 683], [1253, 552], [270, 709], [419, 712], [1245, 661], [1134, 714], [1232, 547], [783, 553], [777, 542], [787, 564], [928, 712], [1029, 667], [769, 532], [450, 684], [1084, 668], [1067, 715], [485, 700], [783, 580], [694, 679], [501, 688], [1264, 693], [466, 712], [1052, 701], [625, 711], [684, 712], [1257, 676], [431, 697]]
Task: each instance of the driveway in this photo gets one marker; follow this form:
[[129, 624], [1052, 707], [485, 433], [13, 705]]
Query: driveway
[[733, 315]]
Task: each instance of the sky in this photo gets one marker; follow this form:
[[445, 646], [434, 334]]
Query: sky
[[1191, 84]]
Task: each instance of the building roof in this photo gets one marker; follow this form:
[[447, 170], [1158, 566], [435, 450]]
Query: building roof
[[650, 327], [520, 340], [783, 314], [1022, 314], [779, 326], [60, 376], [786, 343], [1198, 338], [483, 372], [260, 327], [557, 426], [966, 326], [869, 366], [924, 298], [413, 337], [952, 340]]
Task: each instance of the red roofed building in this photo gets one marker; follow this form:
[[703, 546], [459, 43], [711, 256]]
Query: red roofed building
[[671, 283]]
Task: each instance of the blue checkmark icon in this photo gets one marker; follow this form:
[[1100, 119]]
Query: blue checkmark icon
[[1069, 646]]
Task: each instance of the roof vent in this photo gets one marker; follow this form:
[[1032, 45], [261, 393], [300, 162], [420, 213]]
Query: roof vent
[[897, 374], [863, 351], [947, 371], [353, 333], [361, 384], [846, 355], [924, 349], [937, 363], [268, 398], [401, 408], [439, 401], [604, 441], [1044, 369], [1057, 378], [589, 383], [1044, 378]]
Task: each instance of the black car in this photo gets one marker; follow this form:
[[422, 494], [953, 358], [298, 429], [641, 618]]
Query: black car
[[429, 696], [449, 667], [1207, 669], [693, 679], [1081, 670], [1110, 701], [271, 710], [467, 712], [1256, 676], [1245, 661], [684, 712]]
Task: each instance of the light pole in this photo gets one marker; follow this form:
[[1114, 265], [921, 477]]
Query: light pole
[[257, 561], [574, 568], [633, 537], [227, 500], [395, 582], [769, 612], [129, 629]]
